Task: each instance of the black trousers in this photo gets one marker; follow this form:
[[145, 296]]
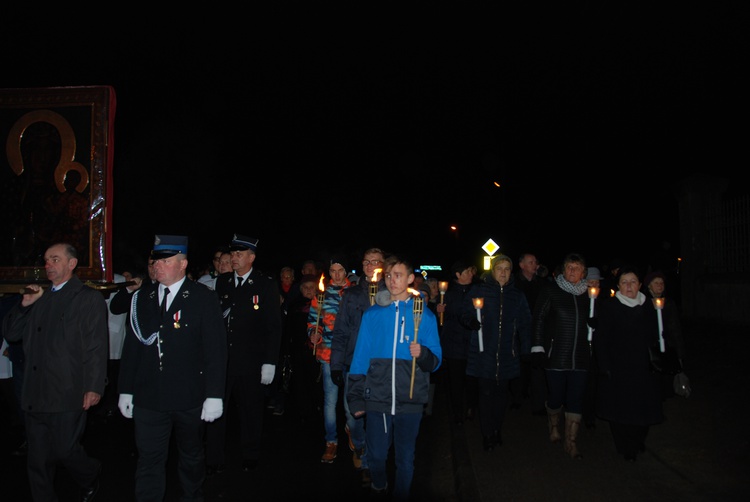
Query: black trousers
[[248, 394], [629, 439], [153, 430], [462, 389], [56, 438], [538, 391], [493, 401]]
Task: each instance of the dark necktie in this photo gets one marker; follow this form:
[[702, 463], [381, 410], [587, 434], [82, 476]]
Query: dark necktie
[[239, 281], [164, 302]]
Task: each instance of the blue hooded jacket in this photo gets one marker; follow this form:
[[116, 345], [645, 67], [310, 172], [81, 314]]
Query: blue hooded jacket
[[381, 370]]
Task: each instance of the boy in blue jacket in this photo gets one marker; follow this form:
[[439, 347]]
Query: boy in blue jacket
[[380, 377]]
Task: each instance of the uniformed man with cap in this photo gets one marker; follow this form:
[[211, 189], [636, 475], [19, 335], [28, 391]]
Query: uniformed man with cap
[[173, 371], [250, 303]]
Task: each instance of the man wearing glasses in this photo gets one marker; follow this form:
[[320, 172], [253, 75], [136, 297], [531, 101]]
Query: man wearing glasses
[[355, 301]]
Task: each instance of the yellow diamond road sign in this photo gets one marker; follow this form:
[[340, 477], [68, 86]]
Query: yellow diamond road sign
[[490, 247]]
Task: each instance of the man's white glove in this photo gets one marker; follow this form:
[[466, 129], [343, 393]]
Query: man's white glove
[[267, 371], [212, 409], [125, 404]]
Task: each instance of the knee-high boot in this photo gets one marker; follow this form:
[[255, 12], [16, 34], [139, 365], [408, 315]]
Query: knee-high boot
[[553, 421], [572, 425]]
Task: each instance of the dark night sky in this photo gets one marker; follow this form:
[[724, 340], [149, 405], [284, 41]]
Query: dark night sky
[[319, 142]]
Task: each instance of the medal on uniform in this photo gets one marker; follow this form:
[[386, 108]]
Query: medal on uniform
[[255, 302], [177, 319]]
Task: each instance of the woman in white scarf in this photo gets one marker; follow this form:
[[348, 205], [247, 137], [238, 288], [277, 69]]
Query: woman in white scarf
[[629, 394]]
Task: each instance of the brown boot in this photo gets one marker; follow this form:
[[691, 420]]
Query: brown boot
[[553, 421], [572, 424]]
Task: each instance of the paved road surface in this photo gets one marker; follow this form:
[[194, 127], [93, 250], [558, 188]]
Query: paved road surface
[[700, 453]]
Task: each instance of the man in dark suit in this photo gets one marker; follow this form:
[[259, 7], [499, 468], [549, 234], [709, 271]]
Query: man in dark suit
[[253, 322], [172, 371], [65, 342]]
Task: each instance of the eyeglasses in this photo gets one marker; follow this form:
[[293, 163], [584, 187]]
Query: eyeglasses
[[374, 263]]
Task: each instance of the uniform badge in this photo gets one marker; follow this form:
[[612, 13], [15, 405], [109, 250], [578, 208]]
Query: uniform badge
[[177, 319], [255, 302]]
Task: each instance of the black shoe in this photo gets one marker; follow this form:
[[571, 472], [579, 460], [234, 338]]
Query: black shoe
[[215, 469], [366, 479], [21, 450], [249, 465], [489, 443], [88, 494]]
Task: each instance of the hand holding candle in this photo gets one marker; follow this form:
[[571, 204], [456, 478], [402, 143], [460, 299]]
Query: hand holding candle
[[442, 287], [418, 309], [659, 303], [478, 304]]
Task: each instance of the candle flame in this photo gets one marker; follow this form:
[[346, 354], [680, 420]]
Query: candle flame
[[593, 292], [443, 286], [612, 293], [375, 274], [414, 292], [659, 303], [478, 302], [321, 284]]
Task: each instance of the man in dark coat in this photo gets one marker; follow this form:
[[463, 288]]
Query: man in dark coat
[[253, 324], [172, 371], [66, 344]]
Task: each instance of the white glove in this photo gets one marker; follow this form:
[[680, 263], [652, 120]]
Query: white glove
[[212, 409], [126, 405], [267, 371]]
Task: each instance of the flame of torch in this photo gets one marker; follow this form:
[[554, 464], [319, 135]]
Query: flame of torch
[[418, 309], [374, 285], [442, 287], [321, 299]]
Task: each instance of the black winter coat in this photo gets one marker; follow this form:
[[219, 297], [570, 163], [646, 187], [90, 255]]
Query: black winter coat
[[628, 391], [506, 331], [455, 336], [560, 326]]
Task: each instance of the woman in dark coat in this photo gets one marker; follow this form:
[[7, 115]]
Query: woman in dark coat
[[560, 345], [629, 394], [506, 335]]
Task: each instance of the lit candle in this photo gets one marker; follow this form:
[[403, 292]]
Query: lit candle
[[478, 304], [593, 293], [659, 302]]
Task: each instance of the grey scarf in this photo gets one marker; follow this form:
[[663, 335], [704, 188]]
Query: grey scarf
[[574, 289]]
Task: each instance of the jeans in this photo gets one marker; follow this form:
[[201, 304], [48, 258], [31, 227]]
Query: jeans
[[330, 400], [401, 431], [566, 388]]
